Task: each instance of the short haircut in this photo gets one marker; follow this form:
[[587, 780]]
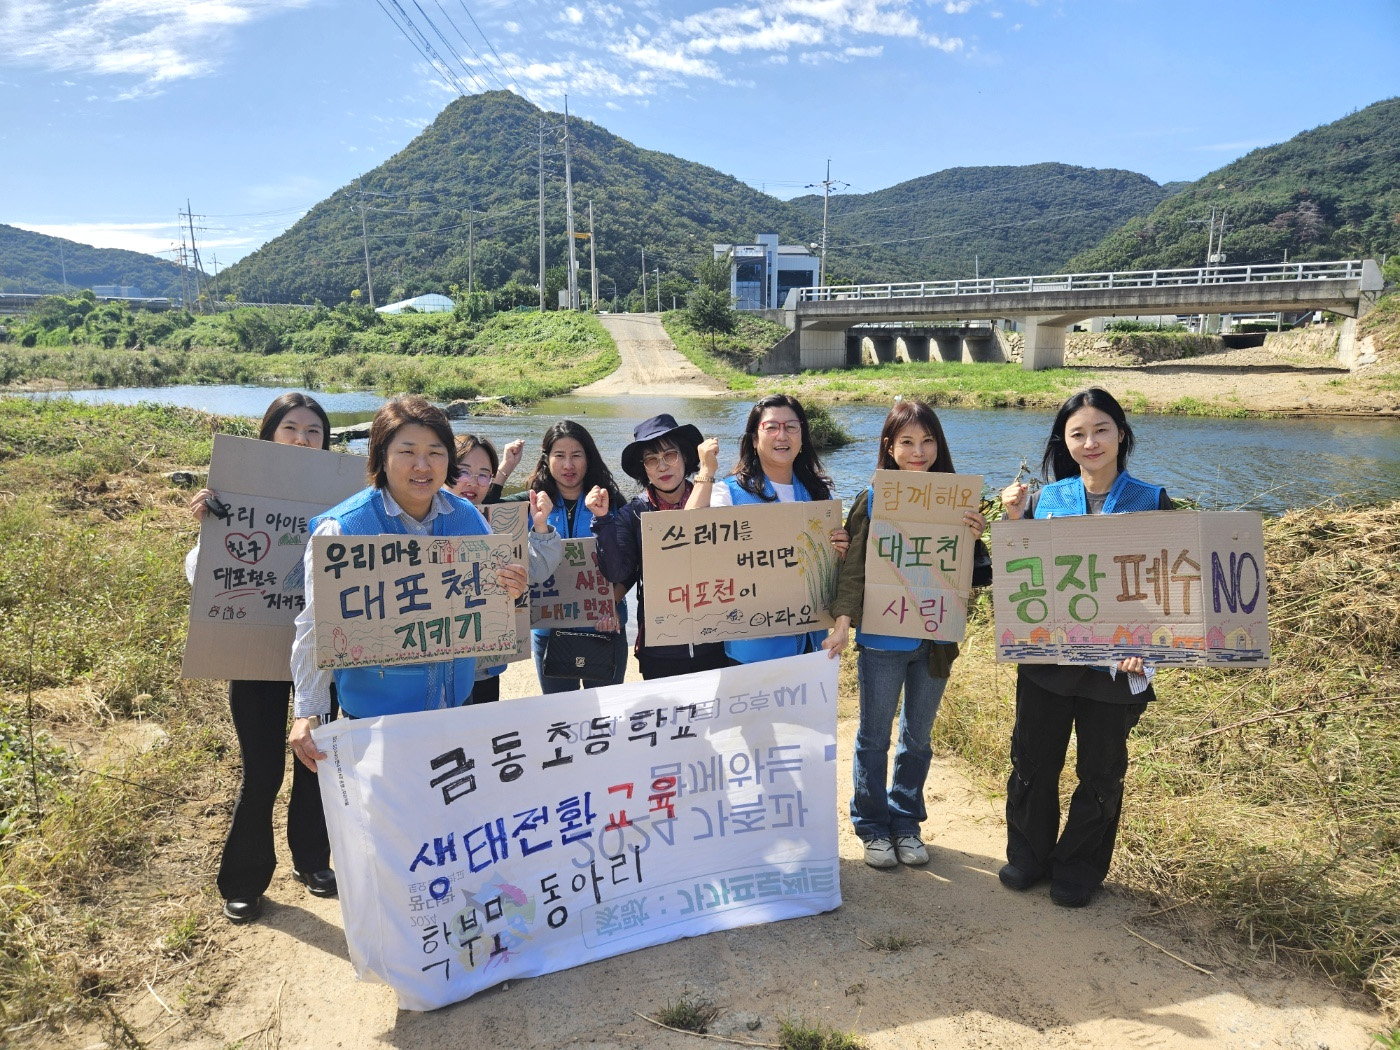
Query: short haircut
[[396, 413], [905, 413], [272, 418]]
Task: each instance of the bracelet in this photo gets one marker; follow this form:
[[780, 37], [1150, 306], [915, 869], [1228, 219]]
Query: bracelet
[[701, 479]]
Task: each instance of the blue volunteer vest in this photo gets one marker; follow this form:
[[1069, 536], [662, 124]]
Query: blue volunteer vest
[[889, 642], [1065, 498], [582, 530], [752, 650], [389, 690]]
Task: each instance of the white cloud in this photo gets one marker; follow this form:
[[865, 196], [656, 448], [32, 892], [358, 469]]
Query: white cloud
[[511, 27], [957, 7], [996, 14], [865, 52], [573, 15], [149, 237], [947, 44]]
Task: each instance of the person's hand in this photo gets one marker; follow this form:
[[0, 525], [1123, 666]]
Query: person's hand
[[835, 642], [1013, 500], [597, 501], [606, 624], [974, 521], [841, 540], [302, 744], [199, 503], [709, 457], [510, 459], [540, 507], [1132, 665], [513, 579]]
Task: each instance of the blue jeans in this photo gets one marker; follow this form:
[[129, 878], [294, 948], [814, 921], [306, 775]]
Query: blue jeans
[[875, 811], [566, 685]]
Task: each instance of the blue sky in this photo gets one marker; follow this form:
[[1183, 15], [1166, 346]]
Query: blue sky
[[116, 111]]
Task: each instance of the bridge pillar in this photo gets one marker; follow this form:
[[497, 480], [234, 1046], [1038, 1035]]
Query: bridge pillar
[[916, 347], [821, 348], [854, 351], [883, 347], [981, 345], [1044, 345], [949, 346]]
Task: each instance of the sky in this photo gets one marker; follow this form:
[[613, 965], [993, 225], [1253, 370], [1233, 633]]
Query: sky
[[117, 112]]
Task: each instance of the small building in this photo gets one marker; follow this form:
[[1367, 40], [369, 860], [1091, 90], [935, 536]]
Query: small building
[[762, 274], [432, 303], [117, 291]]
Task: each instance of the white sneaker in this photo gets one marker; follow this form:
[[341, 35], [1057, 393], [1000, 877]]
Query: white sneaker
[[879, 853], [910, 850]]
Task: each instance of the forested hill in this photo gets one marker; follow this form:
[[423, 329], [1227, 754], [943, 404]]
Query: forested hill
[[999, 220], [481, 155], [33, 262], [1329, 193]]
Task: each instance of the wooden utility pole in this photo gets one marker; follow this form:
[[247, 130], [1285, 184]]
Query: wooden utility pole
[[542, 215], [592, 258]]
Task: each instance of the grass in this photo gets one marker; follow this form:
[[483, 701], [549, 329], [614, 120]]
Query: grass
[[800, 1035], [1270, 797], [690, 1013], [891, 943], [752, 338]]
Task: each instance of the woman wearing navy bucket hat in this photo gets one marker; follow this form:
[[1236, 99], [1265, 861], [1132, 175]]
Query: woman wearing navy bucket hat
[[661, 458]]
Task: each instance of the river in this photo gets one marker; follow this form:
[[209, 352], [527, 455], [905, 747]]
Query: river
[[1265, 464]]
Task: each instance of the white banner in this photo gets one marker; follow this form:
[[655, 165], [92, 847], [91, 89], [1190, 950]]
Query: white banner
[[484, 844]]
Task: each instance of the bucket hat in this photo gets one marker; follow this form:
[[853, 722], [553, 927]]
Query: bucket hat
[[687, 439]]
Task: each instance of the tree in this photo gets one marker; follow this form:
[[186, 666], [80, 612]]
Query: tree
[[708, 311], [713, 273]]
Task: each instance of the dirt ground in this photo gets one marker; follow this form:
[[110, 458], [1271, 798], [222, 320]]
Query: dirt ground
[[650, 362]]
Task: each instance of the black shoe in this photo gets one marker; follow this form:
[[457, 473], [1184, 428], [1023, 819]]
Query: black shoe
[[1013, 878], [1070, 894], [320, 883], [243, 909]]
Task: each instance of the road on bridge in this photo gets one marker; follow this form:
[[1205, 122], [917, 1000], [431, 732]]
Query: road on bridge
[[651, 364]]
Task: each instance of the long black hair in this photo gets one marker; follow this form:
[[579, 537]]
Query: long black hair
[[597, 473], [806, 468], [1057, 463], [272, 418]]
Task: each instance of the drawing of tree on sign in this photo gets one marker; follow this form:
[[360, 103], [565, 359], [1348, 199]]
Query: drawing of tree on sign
[[817, 564]]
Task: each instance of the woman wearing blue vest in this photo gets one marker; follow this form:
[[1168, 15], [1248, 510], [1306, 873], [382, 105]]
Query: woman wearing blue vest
[[777, 464], [569, 467], [1087, 454], [887, 820], [412, 455]]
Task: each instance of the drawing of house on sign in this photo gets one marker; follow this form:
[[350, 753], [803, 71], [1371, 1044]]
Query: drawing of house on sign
[[1162, 636], [1040, 636], [1189, 642], [442, 552], [1239, 638], [1007, 638]]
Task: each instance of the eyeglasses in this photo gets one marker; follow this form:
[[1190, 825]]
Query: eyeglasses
[[772, 426], [481, 477], [658, 459]]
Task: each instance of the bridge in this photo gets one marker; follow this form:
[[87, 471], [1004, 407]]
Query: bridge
[[1047, 305]]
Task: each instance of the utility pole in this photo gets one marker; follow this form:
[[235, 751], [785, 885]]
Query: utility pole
[[658, 289], [216, 283], [541, 214], [644, 280], [826, 185], [63, 262], [194, 249], [184, 272], [471, 280], [592, 258], [569, 207], [364, 240]]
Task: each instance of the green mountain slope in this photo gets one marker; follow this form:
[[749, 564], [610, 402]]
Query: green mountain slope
[[1329, 193], [1000, 220], [33, 262]]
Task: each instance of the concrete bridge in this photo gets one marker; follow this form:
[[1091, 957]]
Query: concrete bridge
[[1047, 305]]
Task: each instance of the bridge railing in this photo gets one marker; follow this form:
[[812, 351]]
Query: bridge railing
[[1344, 270]]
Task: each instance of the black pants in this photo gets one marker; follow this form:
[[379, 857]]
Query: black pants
[[487, 690], [706, 659], [260, 720], [1082, 852]]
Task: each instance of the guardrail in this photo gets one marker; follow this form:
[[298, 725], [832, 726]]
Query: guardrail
[[1344, 270]]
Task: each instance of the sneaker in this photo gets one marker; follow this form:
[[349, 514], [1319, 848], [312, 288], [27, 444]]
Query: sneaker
[[1070, 894], [1014, 878], [910, 850], [879, 853]]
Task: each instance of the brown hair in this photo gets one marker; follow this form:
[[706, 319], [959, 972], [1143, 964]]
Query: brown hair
[[467, 442], [904, 413], [396, 413], [272, 418]]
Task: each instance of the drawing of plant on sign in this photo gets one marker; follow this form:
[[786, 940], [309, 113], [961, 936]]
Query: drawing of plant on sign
[[1173, 587], [753, 571], [918, 558]]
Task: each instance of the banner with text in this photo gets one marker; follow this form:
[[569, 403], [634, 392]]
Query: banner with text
[[755, 571], [248, 584], [484, 844], [918, 558], [513, 520], [1173, 587], [577, 595], [410, 599]]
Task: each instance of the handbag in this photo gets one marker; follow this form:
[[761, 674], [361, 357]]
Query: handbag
[[579, 654]]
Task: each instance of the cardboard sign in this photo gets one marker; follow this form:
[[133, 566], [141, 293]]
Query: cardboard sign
[[918, 559], [1173, 587], [410, 599], [476, 845], [513, 520], [577, 595], [754, 571], [248, 580]]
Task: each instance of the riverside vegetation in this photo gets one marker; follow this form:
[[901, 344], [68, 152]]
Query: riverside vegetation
[[1270, 799]]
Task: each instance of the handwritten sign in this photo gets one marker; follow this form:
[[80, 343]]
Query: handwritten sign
[[477, 845], [1173, 587], [918, 559], [410, 599], [753, 571], [248, 579], [513, 520], [577, 595]]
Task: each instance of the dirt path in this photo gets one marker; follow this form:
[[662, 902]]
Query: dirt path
[[989, 968], [651, 364]]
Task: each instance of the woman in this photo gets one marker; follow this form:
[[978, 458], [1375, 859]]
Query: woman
[[662, 456], [1087, 454], [570, 466], [259, 710], [777, 464], [887, 820], [481, 477], [412, 456]]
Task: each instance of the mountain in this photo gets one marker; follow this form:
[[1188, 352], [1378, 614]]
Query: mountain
[[35, 262], [998, 221], [1329, 193]]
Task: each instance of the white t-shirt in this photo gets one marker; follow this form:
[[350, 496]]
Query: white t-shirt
[[720, 496]]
